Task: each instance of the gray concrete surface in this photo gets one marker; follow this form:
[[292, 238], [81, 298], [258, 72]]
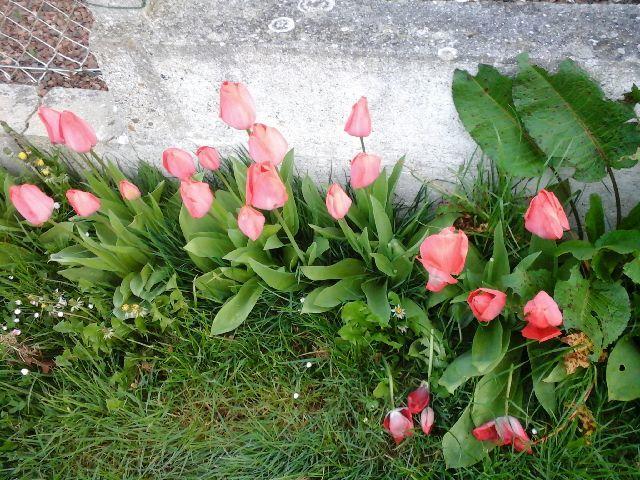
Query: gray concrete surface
[[307, 61]]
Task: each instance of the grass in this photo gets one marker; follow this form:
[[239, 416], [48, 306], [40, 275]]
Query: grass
[[184, 405]]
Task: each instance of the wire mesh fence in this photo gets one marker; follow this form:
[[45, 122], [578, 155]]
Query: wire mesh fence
[[46, 43]]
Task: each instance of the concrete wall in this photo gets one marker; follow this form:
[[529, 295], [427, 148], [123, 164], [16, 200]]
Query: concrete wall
[[307, 61]]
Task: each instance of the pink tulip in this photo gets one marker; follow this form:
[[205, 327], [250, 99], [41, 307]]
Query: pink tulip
[[365, 168], [209, 158], [128, 191], [543, 317], [504, 431], [359, 122], [545, 216], [32, 203], [178, 163], [266, 144], [427, 419], [78, 134], [236, 106], [337, 201], [399, 424], [83, 203], [265, 189], [486, 304], [197, 197], [443, 255], [250, 222], [419, 399], [51, 120]]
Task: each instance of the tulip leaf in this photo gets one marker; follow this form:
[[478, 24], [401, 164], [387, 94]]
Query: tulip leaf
[[309, 304], [345, 290], [376, 293], [594, 219], [486, 349], [315, 204], [623, 370], [485, 106], [237, 308], [459, 447], [542, 363], [590, 132], [277, 279], [210, 246], [599, 309], [383, 225], [498, 265], [344, 268]]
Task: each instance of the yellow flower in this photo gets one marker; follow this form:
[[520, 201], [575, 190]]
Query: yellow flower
[[39, 162], [22, 155], [125, 307], [45, 171]]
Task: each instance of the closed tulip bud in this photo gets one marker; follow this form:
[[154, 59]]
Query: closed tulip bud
[[51, 121], [209, 158], [83, 203], [443, 255], [250, 222], [32, 203], [128, 191], [427, 419], [359, 122], [486, 304], [337, 201], [197, 197], [178, 163], [236, 106], [419, 399], [543, 318], [545, 216], [399, 424], [502, 431], [265, 189], [267, 145], [365, 168], [77, 133]]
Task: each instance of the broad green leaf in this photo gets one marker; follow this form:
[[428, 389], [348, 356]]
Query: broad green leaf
[[210, 246], [383, 225], [459, 447], [237, 308], [589, 131], [343, 291], [486, 349], [580, 249], [498, 265], [542, 363], [485, 107], [632, 270], [623, 370], [620, 241], [214, 285], [344, 268], [594, 219], [632, 220], [277, 279], [599, 309], [376, 293], [525, 282]]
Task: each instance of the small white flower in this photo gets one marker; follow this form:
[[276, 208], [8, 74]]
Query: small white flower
[[16, 332], [24, 371], [296, 396], [56, 290], [399, 312], [18, 302], [36, 315], [56, 205], [86, 234], [17, 311], [62, 301], [10, 277], [302, 299], [90, 306], [534, 431], [60, 314], [16, 320], [33, 302], [365, 419], [309, 364], [4, 327], [403, 328]]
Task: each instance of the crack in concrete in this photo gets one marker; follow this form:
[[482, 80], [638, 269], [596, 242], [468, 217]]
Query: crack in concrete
[[27, 121]]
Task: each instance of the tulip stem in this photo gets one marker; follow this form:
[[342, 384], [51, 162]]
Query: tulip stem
[[362, 143], [294, 244], [226, 184], [506, 400], [98, 159], [390, 381]]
